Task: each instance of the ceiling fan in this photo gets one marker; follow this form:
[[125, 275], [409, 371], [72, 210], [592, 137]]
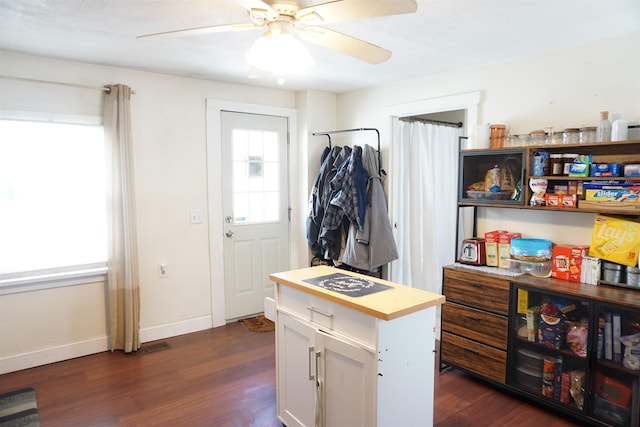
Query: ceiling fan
[[279, 50]]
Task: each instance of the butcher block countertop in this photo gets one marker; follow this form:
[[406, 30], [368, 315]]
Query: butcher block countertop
[[393, 302]]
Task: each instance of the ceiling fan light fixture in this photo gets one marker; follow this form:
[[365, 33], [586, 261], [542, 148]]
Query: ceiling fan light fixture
[[279, 52]]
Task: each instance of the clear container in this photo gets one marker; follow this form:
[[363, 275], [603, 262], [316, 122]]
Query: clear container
[[534, 268], [538, 137], [571, 136], [603, 131], [511, 141], [524, 140], [587, 135], [556, 138]]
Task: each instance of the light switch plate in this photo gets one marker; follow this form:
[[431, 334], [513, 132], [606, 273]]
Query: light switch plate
[[196, 216]]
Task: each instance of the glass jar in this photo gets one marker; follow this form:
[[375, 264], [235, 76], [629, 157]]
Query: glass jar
[[571, 136], [556, 164], [538, 137], [511, 141], [587, 135], [524, 140], [556, 138]]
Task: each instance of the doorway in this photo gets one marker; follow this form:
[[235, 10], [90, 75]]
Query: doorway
[[248, 192], [455, 108]]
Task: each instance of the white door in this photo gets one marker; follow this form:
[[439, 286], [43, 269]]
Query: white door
[[255, 208], [297, 368], [347, 383]]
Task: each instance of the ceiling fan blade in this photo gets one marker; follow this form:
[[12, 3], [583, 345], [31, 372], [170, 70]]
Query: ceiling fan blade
[[257, 73], [259, 8], [343, 43], [201, 30], [341, 10]]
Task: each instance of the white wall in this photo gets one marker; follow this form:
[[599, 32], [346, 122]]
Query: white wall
[[564, 88], [168, 115], [559, 89]]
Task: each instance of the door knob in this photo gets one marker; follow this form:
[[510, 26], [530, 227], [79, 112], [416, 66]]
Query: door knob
[[228, 219], [229, 234]]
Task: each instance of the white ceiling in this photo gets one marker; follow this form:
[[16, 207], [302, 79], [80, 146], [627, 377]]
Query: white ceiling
[[443, 35]]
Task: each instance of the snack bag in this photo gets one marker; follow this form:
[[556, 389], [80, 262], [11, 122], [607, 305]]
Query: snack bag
[[538, 188], [492, 180]]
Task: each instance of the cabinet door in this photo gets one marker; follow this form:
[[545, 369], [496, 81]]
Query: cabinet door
[[550, 336], [616, 382], [347, 387], [297, 371]]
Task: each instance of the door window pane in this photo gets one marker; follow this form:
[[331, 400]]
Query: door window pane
[[256, 176]]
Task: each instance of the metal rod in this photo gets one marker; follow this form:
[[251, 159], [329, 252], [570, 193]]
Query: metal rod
[[431, 121], [25, 79], [331, 132]]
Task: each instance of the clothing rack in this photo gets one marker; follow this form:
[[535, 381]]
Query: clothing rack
[[431, 121], [329, 133]]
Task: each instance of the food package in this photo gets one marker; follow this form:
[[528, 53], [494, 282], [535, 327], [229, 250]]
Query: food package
[[504, 248], [533, 314], [538, 189], [550, 326], [631, 358], [567, 261], [615, 239], [492, 180], [528, 249], [491, 246], [577, 337]]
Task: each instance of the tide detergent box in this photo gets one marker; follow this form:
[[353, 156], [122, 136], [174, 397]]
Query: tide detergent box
[[615, 239], [567, 261]]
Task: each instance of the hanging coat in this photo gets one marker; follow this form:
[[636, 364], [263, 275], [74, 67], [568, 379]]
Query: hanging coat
[[374, 245]]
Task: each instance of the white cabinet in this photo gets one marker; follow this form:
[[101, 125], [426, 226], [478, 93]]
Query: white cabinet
[[339, 366], [320, 375]]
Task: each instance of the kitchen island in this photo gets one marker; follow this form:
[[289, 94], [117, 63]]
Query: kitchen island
[[353, 350]]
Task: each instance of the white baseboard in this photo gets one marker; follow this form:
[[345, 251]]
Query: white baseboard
[[44, 356], [175, 329]]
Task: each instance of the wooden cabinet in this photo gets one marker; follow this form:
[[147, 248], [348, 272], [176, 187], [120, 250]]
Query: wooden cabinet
[[475, 163], [353, 361], [474, 323], [486, 333]]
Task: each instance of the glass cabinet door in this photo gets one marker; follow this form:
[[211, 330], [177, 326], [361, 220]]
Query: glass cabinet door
[[617, 368], [550, 337]]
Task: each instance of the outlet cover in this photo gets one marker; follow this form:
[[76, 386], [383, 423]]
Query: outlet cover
[[196, 216]]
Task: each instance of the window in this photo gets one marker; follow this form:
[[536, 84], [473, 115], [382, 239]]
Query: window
[[256, 166], [52, 198]]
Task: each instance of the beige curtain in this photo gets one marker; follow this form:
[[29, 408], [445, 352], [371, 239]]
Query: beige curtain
[[124, 293]]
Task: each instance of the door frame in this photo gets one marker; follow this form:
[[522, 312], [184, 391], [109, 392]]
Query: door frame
[[469, 102], [214, 190]]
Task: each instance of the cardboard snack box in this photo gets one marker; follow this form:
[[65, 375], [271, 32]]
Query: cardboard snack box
[[567, 261], [615, 239]]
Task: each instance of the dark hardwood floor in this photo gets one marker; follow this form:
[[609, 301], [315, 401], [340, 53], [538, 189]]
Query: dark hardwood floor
[[223, 377]]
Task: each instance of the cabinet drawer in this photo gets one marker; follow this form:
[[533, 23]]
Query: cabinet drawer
[[487, 328], [479, 291], [475, 357], [328, 315]]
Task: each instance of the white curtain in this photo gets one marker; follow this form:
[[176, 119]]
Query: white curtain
[[124, 292], [425, 163]]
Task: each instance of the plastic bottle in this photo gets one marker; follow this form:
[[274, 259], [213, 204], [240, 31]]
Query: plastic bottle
[[619, 130], [603, 132]]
